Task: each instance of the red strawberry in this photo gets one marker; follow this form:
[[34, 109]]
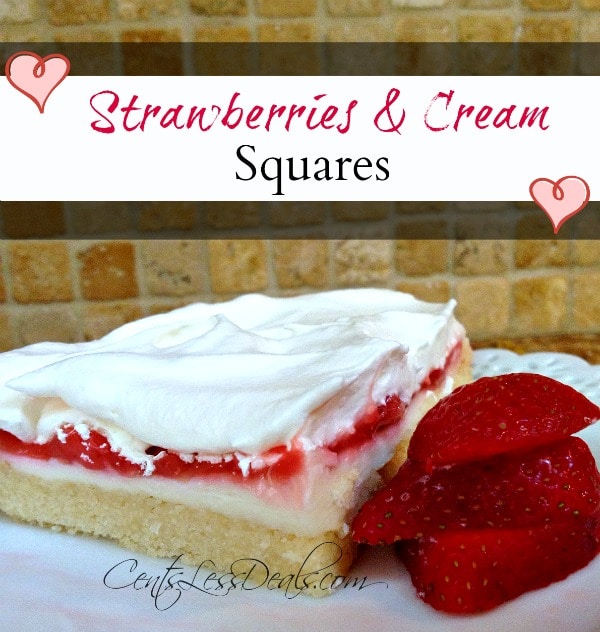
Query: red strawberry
[[499, 414], [473, 571], [553, 483], [496, 498]]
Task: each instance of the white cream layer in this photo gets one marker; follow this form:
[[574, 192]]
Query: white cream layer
[[241, 376]]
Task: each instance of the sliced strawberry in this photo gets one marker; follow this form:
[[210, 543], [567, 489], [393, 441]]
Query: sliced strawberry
[[382, 519], [552, 483], [473, 571], [498, 414], [495, 499]]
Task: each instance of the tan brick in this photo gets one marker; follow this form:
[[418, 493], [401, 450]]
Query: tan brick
[[420, 257], [355, 8], [222, 215], [363, 30], [533, 225], [540, 304], [157, 216], [485, 28], [547, 60], [359, 211], [66, 12], [282, 60], [483, 306], [351, 231], [296, 213], [419, 208], [288, 32], [473, 211], [424, 29], [222, 33], [362, 261], [286, 8], [162, 307], [97, 218], [40, 272], [527, 205], [22, 33], [418, 227], [55, 324], [108, 271], [7, 337], [548, 30], [431, 290], [419, 4], [548, 5], [365, 58], [301, 263], [486, 4], [103, 60], [146, 9], [589, 30], [480, 59], [32, 219], [238, 266], [86, 34], [481, 256], [172, 268], [168, 61], [219, 7], [211, 60], [586, 252], [136, 36], [586, 300], [586, 224], [539, 253], [17, 11], [102, 318], [426, 60]]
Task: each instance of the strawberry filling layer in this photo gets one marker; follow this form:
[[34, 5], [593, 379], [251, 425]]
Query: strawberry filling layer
[[94, 451]]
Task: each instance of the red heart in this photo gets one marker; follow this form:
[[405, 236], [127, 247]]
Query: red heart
[[561, 199], [36, 77]]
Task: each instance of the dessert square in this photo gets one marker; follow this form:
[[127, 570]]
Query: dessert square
[[253, 428]]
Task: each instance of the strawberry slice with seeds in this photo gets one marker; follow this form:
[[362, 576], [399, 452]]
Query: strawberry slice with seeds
[[474, 571], [549, 484], [498, 414]]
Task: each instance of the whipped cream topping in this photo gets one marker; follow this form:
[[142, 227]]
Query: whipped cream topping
[[238, 377]]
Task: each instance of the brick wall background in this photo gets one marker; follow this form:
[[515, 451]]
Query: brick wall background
[[300, 20], [76, 290], [79, 290]]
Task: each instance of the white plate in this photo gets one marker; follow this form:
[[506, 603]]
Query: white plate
[[54, 582]]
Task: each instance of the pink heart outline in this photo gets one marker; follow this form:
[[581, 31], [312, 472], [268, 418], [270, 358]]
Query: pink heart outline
[[559, 195], [38, 72]]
